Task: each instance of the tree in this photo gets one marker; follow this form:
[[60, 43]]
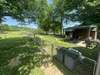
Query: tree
[[62, 8], [90, 14], [85, 11], [58, 12], [44, 17], [20, 10], [4, 27], [50, 17], [55, 27]]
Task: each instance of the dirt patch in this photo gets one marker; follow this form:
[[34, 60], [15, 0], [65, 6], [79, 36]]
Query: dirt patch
[[14, 62], [51, 69], [81, 44]]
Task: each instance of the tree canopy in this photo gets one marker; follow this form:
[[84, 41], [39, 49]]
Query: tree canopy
[[49, 17], [21, 10]]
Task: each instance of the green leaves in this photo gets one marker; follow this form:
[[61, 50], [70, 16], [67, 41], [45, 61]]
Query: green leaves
[[19, 10], [45, 15]]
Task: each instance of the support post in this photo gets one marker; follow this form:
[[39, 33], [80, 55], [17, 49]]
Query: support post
[[96, 34], [52, 48], [89, 32], [98, 66]]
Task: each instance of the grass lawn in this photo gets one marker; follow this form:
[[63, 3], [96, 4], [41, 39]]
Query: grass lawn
[[18, 55], [50, 39]]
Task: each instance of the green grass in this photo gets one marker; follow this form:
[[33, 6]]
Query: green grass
[[56, 41], [91, 53], [13, 44], [11, 34], [50, 39]]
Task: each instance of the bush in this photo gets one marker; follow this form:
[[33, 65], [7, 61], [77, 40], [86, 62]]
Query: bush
[[86, 67]]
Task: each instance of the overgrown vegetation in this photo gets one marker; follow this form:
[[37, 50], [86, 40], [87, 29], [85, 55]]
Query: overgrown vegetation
[[85, 66], [50, 19], [19, 55]]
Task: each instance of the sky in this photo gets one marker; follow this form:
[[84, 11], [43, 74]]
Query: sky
[[10, 21], [70, 24], [13, 22], [49, 1]]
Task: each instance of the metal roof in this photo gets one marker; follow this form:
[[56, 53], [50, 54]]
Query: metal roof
[[79, 27]]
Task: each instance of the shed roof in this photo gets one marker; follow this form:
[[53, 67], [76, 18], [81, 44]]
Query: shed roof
[[79, 27]]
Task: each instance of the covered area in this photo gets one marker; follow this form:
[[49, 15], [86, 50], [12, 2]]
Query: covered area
[[81, 32]]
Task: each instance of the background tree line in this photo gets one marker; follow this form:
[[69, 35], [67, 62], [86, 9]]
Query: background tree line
[[50, 17]]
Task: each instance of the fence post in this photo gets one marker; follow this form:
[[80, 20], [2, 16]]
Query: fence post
[[52, 48], [34, 35]]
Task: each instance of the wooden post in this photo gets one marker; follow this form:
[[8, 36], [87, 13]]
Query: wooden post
[[52, 47], [89, 32], [98, 66], [96, 34], [34, 35]]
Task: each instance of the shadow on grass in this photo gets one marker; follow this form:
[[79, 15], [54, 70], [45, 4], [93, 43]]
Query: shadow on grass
[[20, 50]]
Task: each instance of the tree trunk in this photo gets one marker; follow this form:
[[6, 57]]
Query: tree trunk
[[46, 32], [0, 20], [54, 33], [61, 25]]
